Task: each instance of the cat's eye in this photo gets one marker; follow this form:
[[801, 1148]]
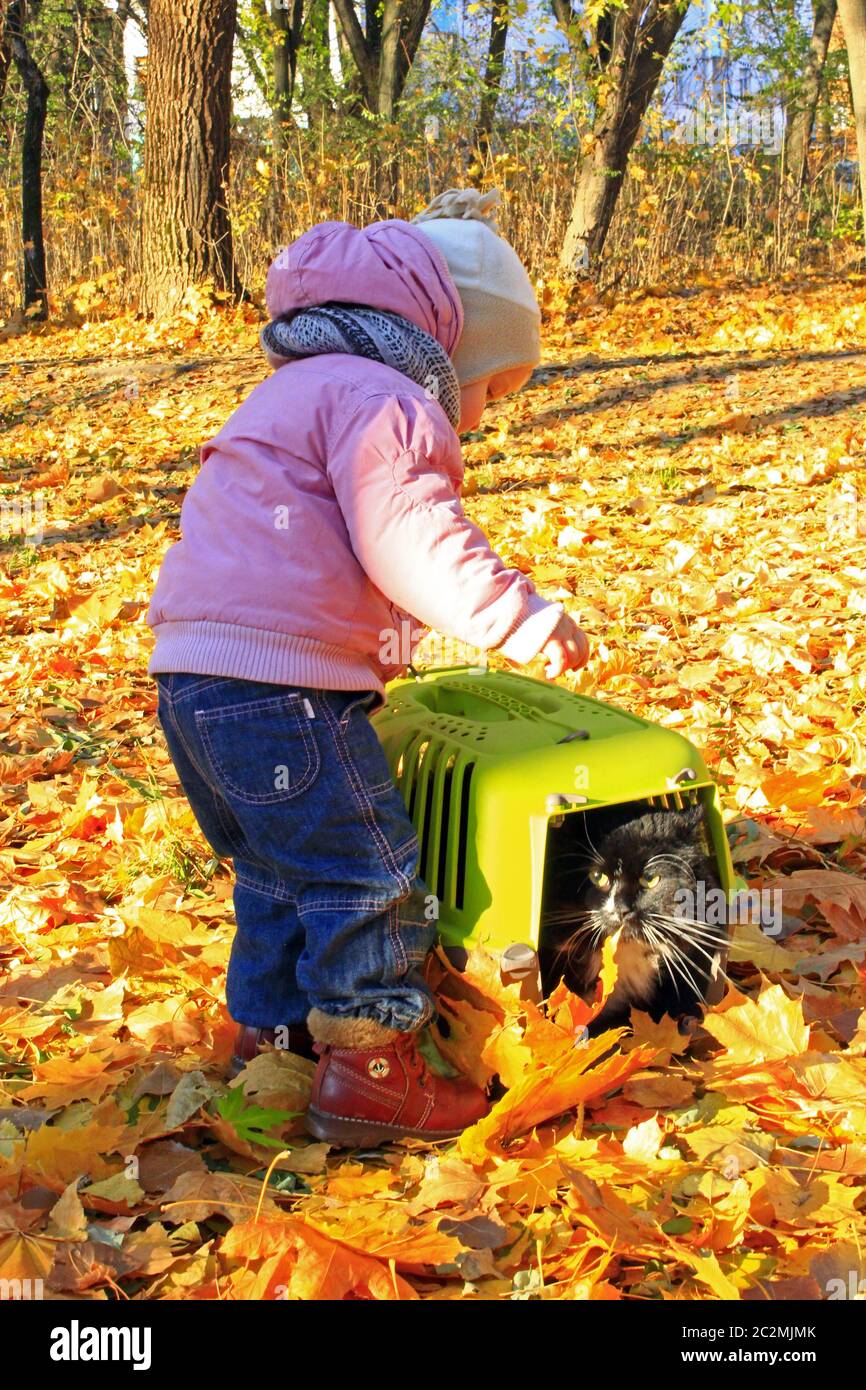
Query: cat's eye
[[649, 880], [599, 878]]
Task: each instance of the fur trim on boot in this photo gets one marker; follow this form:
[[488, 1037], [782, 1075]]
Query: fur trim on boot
[[334, 1030]]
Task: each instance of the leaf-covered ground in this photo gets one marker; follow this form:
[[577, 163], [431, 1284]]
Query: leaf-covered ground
[[685, 472]]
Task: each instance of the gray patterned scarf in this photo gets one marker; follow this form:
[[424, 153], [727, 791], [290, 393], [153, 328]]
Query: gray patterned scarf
[[374, 333]]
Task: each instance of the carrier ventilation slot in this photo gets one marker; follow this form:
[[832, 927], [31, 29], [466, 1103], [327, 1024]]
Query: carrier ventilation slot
[[458, 728], [461, 839], [435, 782], [674, 801], [519, 708]]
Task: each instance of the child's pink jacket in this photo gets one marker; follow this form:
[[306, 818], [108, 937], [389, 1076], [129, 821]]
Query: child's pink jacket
[[327, 510]]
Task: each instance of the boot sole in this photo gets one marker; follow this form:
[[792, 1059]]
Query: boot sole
[[357, 1134]]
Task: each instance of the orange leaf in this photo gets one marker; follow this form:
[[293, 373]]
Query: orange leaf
[[23, 1256], [315, 1268], [762, 1029], [61, 1080], [540, 1097]]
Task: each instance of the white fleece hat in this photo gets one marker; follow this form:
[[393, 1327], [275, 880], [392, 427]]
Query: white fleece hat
[[501, 317]]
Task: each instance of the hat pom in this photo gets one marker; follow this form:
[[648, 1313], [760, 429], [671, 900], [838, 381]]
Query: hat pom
[[466, 203]]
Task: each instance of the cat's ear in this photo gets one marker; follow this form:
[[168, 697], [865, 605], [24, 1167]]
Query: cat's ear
[[692, 820]]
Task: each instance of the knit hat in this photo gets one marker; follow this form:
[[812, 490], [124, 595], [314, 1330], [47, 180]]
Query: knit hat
[[501, 316]]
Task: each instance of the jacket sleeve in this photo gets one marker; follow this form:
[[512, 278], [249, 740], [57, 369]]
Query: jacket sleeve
[[396, 470]]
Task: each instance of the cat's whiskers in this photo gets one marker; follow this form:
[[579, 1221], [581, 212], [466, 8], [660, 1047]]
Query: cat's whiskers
[[708, 955], [669, 940], [678, 919], [675, 859], [689, 930], [698, 942], [669, 944], [708, 973], [670, 953], [563, 915], [589, 927], [664, 953], [586, 929], [661, 953], [591, 845], [573, 855], [693, 934]]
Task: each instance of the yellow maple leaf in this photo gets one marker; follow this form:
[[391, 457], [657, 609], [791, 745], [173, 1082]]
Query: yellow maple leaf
[[643, 1141], [762, 1029], [64, 1155]]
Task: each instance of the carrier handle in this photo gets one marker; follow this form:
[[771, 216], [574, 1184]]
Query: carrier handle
[[418, 672]]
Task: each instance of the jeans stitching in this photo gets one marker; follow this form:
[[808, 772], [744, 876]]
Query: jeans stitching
[[396, 941], [360, 703], [276, 893], [268, 703], [383, 904], [376, 905], [308, 776], [206, 683], [231, 831], [359, 787], [411, 843]]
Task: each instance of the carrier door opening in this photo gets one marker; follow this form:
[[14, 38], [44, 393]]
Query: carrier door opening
[[572, 850]]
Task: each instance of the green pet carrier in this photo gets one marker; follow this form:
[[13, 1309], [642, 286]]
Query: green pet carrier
[[492, 766]]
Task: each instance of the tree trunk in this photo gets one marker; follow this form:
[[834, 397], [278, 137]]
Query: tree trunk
[[493, 76], [118, 76], [364, 50], [186, 233], [384, 54], [286, 26], [632, 45], [5, 58], [314, 62], [852, 13], [801, 117], [5, 65], [284, 78], [35, 283]]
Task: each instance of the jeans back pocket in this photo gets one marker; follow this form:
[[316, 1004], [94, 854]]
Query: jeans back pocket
[[262, 751]]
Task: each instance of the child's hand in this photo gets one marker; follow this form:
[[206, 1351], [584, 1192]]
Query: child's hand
[[567, 648]]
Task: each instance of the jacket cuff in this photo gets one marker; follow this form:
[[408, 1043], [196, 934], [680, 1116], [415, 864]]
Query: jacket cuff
[[532, 632]]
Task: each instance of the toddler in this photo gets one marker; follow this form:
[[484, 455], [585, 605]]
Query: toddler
[[325, 519]]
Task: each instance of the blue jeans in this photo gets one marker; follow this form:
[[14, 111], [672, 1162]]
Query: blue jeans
[[293, 786]]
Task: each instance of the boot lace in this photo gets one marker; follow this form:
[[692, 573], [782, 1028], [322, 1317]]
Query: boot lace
[[408, 1048]]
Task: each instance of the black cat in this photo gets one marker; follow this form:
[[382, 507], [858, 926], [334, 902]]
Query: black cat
[[645, 877]]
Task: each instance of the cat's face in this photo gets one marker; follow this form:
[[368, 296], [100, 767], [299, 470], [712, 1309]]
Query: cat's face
[[639, 880], [628, 891], [640, 871]]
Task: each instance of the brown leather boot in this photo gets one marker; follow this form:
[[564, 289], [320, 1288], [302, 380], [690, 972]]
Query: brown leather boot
[[372, 1085], [249, 1042]]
